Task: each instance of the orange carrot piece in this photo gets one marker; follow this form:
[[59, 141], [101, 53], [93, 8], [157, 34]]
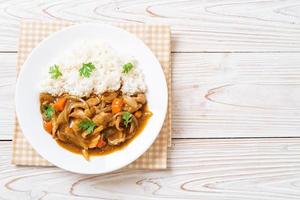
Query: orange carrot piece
[[101, 143], [60, 104], [48, 126], [138, 114], [117, 105]]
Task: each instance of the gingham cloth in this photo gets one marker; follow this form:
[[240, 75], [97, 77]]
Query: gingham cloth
[[157, 37]]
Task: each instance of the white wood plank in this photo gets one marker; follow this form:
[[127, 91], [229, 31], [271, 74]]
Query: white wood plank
[[7, 88], [214, 95], [211, 25], [236, 95], [257, 169]]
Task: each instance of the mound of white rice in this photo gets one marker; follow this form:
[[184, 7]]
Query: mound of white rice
[[107, 76]]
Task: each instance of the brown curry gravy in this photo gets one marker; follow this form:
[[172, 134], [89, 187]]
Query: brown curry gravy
[[110, 149]]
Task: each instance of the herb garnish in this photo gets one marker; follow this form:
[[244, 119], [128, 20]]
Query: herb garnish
[[86, 69], [127, 117], [48, 111], [87, 125], [127, 67], [54, 71]]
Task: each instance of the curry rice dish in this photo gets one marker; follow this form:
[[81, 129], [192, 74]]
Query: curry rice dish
[[93, 101]]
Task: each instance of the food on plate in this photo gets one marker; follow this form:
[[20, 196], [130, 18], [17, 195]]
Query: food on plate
[[93, 101]]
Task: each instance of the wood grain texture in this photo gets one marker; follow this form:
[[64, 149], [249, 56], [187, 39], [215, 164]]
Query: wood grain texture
[[197, 26], [215, 95], [236, 95], [257, 169], [7, 88]]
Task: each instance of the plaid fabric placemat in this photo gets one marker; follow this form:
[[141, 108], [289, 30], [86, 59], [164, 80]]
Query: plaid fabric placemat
[[156, 37]]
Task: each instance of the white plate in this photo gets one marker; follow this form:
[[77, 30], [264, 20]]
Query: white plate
[[27, 97]]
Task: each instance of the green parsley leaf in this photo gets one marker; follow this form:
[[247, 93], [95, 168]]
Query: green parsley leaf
[[48, 111], [127, 117], [127, 67], [87, 125], [86, 69], [54, 71]]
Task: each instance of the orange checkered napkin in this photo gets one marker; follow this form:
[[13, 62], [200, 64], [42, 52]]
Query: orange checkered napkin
[[156, 37]]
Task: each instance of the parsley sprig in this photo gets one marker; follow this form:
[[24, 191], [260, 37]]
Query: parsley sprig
[[54, 71], [48, 111], [87, 125], [127, 67], [87, 69], [127, 118]]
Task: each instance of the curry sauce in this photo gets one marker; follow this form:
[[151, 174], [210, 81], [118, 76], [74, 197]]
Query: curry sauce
[[109, 149], [94, 125]]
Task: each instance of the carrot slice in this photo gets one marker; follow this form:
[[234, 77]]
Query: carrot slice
[[60, 104], [101, 143], [117, 105], [48, 126], [138, 114]]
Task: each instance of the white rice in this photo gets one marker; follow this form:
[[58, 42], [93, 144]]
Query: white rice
[[107, 76]]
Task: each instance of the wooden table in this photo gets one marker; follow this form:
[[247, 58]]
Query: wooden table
[[236, 103]]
